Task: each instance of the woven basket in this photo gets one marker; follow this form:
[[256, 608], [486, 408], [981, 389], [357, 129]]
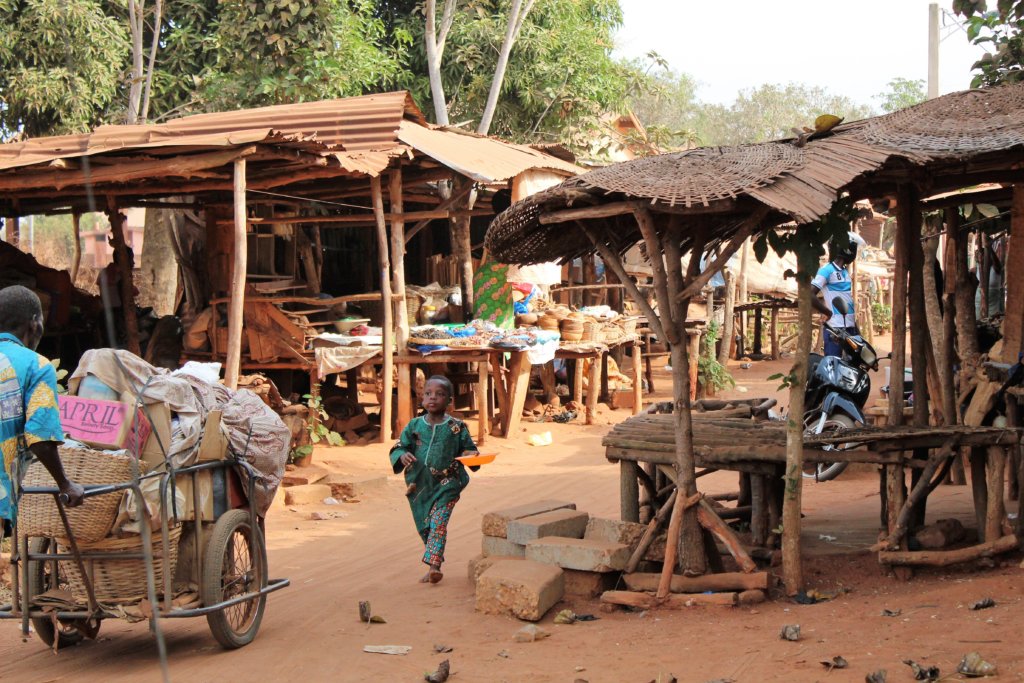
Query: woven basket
[[629, 324], [427, 341], [592, 331], [548, 321], [38, 514], [120, 581], [571, 329]]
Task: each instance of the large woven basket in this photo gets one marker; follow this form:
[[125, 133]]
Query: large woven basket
[[591, 331], [120, 581], [38, 514]]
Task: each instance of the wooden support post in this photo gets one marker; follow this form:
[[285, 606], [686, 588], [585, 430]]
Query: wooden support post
[[758, 329], [638, 394], [518, 384], [76, 245], [1013, 321], [500, 390], [936, 330], [728, 319], [792, 562], [124, 267], [547, 381], [650, 532], [920, 342], [692, 347], [710, 520], [979, 489], [995, 509], [483, 397], [894, 473], [775, 334], [236, 305], [388, 352], [758, 510], [577, 381], [984, 274], [14, 231], [396, 204], [629, 491], [593, 388]]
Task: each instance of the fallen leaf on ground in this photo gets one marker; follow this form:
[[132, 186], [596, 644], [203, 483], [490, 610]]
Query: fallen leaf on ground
[[439, 676], [504, 653], [377, 619], [973, 665], [388, 649], [442, 649], [877, 677], [790, 632], [984, 603], [566, 616], [923, 673], [892, 612], [836, 662]]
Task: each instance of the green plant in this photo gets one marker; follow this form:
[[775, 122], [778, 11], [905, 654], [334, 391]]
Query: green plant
[[315, 428], [881, 317], [711, 374], [61, 375]]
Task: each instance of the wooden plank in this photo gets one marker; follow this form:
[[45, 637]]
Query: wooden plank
[[593, 390], [726, 581], [519, 381], [388, 350], [638, 395], [944, 558], [671, 601]]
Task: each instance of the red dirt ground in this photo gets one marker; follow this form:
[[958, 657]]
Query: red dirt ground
[[311, 630]]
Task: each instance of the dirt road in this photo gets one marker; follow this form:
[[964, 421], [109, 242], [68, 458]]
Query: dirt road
[[311, 630]]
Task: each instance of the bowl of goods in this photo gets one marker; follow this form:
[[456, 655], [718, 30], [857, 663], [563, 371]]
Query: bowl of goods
[[345, 325]]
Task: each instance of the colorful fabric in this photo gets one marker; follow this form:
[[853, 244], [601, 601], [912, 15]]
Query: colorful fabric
[[436, 478], [433, 553], [834, 282], [492, 294], [28, 408]]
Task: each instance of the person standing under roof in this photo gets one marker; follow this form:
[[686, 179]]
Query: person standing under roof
[[29, 418], [833, 282]]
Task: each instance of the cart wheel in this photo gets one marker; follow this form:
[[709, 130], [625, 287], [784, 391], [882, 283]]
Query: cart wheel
[[235, 564], [40, 580]]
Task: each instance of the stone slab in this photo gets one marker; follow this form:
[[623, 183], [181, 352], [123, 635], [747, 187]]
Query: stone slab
[[301, 476], [352, 487], [589, 555], [500, 547], [588, 584], [626, 533], [479, 564], [563, 522], [308, 494], [496, 523], [520, 588]]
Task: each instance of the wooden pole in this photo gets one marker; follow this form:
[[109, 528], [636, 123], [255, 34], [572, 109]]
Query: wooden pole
[[124, 266], [388, 352], [76, 245], [936, 328], [405, 406], [792, 562], [894, 473], [236, 305], [742, 285], [948, 356], [985, 272], [1013, 322], [729, 318], [775, 333], [920, 343], [995, 511], [966, 320], [14, 231]]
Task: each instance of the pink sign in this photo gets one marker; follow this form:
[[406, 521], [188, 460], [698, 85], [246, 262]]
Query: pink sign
[[103, 424]]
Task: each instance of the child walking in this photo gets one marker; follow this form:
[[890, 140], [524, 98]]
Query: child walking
[[426, 451]]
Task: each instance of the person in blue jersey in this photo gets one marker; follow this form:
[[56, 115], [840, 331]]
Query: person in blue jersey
[[833, 282], [29, 419]]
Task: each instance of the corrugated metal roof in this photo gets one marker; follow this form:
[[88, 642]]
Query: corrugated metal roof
[[484, 159]]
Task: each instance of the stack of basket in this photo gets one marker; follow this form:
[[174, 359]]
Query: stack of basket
[[571, 327]]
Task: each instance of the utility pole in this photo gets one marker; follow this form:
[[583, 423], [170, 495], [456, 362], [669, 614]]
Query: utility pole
[[933, 51]]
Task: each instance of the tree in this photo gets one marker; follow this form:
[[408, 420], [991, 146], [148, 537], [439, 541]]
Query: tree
[[560, 72], [1001, 33], [60, 66], [902, 93], [770, 112], [666, 104]]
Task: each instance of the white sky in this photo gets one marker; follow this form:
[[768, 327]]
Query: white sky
[[853, 48]]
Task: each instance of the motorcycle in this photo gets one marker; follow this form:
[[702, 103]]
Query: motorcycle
[[837, 389]]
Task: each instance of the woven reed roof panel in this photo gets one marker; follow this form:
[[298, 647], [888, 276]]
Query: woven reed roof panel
[[698, 176]]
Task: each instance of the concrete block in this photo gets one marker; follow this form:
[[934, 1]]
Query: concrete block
[[309, 494], [479, 564], [500, 547], [626, 533], [563, 522], [588, 584], [352, 487], [520, 588], [496, 523], [301, 476], [589, 555]]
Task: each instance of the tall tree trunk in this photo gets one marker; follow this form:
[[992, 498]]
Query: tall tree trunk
[[966, 321], [435, 40], [136, 23], [158, 269], [516, 17], [933, 312], [157, 22]]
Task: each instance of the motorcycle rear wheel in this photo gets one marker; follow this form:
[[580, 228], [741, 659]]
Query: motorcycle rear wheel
[[827, 471]]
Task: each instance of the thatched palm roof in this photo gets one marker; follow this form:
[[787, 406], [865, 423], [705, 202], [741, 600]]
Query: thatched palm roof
[[955, 140]]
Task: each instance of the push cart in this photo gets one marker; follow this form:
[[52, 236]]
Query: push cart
[[228, 557]]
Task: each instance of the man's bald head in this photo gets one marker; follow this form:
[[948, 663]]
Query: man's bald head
[[21, 314]]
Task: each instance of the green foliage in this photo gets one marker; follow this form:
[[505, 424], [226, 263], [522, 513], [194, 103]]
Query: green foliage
[[881, 317], [757, 115], [289, 51], [561, 75], [808, 242], [785, 380], [902, 93], [318, 432], [61, 65], [1001, 34], [710, 373], [61, 375]]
